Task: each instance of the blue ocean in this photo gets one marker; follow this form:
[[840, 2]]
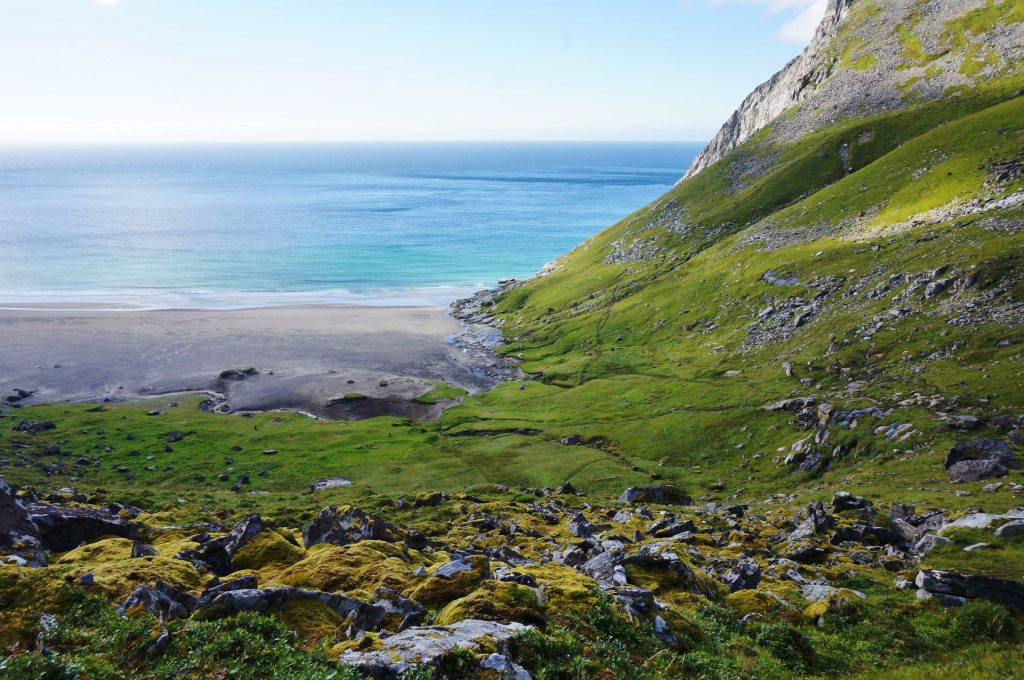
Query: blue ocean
[[257, 225]]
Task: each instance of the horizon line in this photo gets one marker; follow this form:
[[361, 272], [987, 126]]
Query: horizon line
[[211, 142]]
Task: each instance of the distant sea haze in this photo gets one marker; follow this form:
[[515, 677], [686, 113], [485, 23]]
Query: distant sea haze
[[263, 225]]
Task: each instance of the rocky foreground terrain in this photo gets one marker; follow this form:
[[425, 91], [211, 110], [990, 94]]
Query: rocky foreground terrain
[[476, 578]]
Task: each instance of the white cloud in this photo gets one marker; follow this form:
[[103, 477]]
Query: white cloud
[[802, 16], [800, 29]]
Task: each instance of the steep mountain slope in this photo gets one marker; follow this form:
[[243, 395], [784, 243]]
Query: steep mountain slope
[[871, 262], [884, 57]]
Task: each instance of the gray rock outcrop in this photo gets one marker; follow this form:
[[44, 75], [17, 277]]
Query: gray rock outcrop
[[430, 646]]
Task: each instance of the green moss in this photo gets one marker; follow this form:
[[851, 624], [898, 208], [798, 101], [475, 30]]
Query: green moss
[[310, 618], [958, 32], [1004, 558], [268, 549], [913, 51], [25, 594], [567, 592], [97, 551], [118, 578], [356, 570], [437, 591], [494, 601], [977, 57], [754, 602]]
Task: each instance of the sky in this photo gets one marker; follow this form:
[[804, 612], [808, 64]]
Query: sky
[[172, 71]]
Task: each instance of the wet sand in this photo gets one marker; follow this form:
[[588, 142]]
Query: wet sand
[[307, 358]]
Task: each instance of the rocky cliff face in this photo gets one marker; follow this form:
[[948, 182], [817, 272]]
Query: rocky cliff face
[[781, 91], [869, 56]]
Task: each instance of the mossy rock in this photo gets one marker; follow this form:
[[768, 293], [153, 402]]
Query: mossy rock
[[754, 602], [843, 599], [169, 542], [816, 610], [566, 590], [98, 551], [356, 569], [118, 578], [437, 591], [267, 549], [25, 593], [673, 586], [495, 601], [310, 618], [369, 642]]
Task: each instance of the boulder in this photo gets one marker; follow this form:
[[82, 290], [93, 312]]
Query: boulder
[[674, 570], [662, 495], [140, 549], [501, 665], [241, 583], [744, 576], [791, 404], [981, 449], [670, 529], [33, 427], [359, 615], [844, 500], [399, 612], [973, 470], [329, 483], [605, 568], [566, 489], [1011, 529], [62, 528], [162, 600], [866, 534], [217, 553], [803, 552], [963, 422], [453, 580], [983, 520], [816, 520], [580, 527], [19, 536], [431, 646], [813, 592], [971, 586], [342, 525]]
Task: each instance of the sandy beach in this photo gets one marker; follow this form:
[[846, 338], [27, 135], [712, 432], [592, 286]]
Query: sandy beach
[[307, 358]]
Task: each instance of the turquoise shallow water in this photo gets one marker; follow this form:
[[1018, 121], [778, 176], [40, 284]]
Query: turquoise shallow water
[[240, 226]]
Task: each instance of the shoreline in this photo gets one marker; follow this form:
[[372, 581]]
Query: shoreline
[[156, 300], [334, 361]]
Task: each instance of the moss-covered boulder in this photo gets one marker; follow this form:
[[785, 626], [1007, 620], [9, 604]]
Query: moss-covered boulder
[[562, 589], [25, 593], [98, 551], [268, 549], [118, 578], [357, 569], [755, 602], [495, 601], [453, 580]]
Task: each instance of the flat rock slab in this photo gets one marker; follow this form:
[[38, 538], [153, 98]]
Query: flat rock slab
[[63, 528], [429, 646], [971, 586]]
